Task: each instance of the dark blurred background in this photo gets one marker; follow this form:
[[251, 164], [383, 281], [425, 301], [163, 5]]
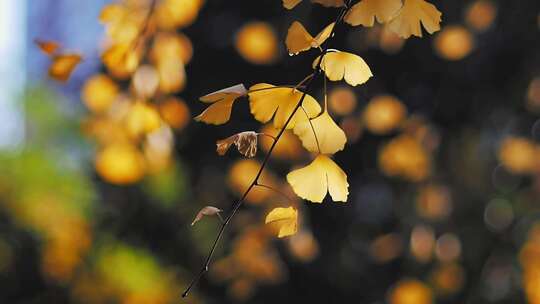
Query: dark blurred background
[[102, 175]]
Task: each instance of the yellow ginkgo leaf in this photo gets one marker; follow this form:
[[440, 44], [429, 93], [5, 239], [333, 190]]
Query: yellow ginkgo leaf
[[286, 219], [62, 66], [329, 136], [414, 12], [47, 47], [299, 40], [321, 176], [365, 12], [268, 101], [290, 4], [222, 101], [342, 65]]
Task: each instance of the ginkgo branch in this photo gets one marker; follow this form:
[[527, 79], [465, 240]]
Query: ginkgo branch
[[146, 24], [309, 82]]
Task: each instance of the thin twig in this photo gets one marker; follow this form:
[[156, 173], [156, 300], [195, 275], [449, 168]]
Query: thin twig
[[275, 190], [146, 24], [239, 203], [308, 77]]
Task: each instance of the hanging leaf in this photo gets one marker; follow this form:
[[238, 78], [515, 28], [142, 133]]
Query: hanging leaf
[[318, 178], [245, 142], [342, 65], [63, 65], [47, 47], [219, 112], [206, 211], [328, 134], [412, 14], [365, 12], [268, 101], [299, 40], [286, 219]]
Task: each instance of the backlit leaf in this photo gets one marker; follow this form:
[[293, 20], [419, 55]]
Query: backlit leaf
[[290, 4], [63, 65], [342, 65], [329, 135], [222, 101], [268, 101], [286, 219], [365, 12], [315, 180], [414, 12], [299, 40]]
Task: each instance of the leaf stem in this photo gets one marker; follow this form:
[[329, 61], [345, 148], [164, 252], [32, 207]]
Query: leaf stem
[[275, 190]]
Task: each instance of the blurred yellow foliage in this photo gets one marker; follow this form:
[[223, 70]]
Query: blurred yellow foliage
[[480, 15], [383, 114], [405, 157], [519, 155], [454, 42], [257, 43], [410, 291], [120, 164], [342, 101], [99, 92]]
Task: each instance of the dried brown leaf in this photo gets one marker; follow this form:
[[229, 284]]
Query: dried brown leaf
[[245, 142]]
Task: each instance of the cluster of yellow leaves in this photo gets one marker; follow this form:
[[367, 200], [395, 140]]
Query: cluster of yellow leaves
[[133, 127], [288, 108], [253, 260], [404, 18], [314, 127]]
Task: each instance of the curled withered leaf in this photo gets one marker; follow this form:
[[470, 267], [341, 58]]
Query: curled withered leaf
[[219, 112], [245, 142], [208, 210]]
